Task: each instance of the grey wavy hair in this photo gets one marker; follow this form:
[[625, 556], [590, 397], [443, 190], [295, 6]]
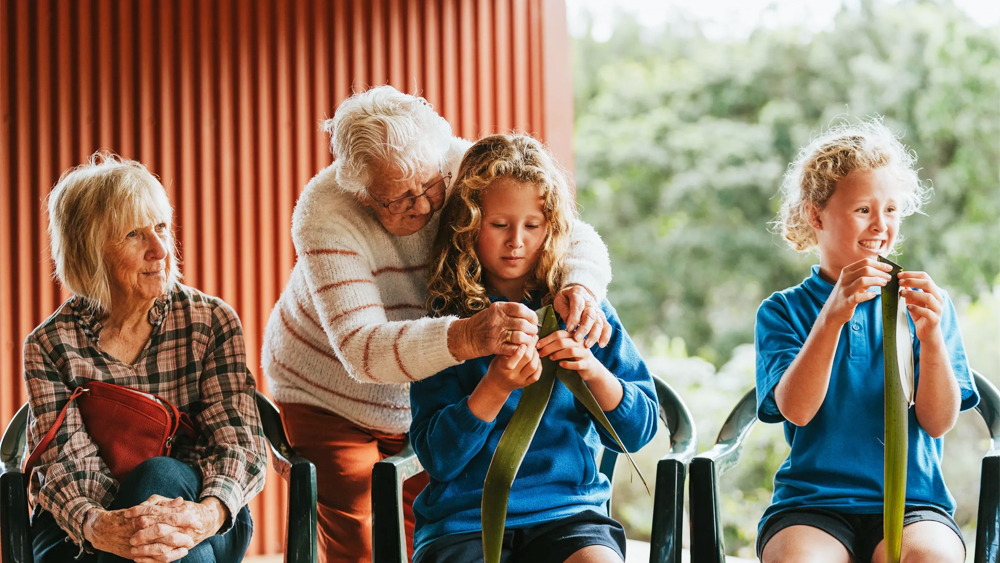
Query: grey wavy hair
[[92, 206], [382, 130], [846, 147]]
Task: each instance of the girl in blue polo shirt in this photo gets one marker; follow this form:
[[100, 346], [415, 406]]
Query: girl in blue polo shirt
[[503, 237], [820, 366]]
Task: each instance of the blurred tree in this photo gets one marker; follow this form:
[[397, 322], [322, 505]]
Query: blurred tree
[[681, 143]]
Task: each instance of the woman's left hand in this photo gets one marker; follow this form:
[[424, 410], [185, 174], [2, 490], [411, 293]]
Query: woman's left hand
[[583, 315], [925, 306], [165, 522]]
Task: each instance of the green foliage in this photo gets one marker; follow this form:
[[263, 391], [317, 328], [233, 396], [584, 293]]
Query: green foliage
[[681, 143]]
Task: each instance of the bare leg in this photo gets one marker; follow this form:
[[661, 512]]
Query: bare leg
[[926, 542], [595, 554], [805, 544]]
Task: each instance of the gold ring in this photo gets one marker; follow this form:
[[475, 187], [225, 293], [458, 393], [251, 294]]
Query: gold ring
[[508, 336]]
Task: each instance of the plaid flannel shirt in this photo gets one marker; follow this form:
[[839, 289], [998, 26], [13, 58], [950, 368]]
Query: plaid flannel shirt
[[194, 358]]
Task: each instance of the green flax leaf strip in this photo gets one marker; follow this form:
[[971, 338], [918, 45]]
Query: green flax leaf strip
[[513, 446], [582, 392], [896, 407]]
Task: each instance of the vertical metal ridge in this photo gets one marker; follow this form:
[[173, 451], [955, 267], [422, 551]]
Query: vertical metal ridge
[[223, 101]]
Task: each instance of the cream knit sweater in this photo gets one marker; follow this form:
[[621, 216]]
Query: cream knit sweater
[[350, 329]]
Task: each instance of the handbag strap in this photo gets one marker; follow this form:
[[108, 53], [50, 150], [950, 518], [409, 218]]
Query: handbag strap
[[51, 434]]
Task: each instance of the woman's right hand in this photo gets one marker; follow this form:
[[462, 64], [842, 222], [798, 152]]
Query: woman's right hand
[[499, 329], [111, 531], [852, 288]]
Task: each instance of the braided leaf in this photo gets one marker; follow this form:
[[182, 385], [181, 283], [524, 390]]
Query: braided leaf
[[897, 404], [513, 446], [582, 392]]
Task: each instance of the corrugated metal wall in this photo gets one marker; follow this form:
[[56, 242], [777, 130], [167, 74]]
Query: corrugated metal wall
[[222, 100]]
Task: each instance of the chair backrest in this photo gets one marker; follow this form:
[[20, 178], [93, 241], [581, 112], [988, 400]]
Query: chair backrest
[[989, 407], [14, 444], [274, 431]]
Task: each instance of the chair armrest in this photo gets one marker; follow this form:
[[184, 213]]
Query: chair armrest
[[668, 509], [707, 544], [988, 521], [301, 540], [388, 534], [15, 541], [668, 503]]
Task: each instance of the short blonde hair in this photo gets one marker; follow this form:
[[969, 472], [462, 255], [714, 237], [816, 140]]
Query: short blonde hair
[[383, 129], [846, 147], [456, 286], [96, 203]]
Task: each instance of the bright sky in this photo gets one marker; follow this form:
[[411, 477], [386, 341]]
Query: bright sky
[[736, 18]]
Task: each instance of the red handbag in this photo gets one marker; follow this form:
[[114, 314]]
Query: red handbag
[[128, 426]]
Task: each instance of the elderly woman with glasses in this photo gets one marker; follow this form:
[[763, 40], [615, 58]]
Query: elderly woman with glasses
[[350, 331]]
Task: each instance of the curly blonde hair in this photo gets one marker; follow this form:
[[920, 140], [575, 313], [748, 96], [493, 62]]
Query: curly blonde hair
[[846, 147], [456, 286]]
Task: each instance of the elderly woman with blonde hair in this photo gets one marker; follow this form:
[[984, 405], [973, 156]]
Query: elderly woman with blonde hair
[[130, 323], [350, 332]]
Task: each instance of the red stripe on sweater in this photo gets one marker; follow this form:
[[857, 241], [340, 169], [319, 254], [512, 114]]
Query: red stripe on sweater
[[355, 310], [368, 346], [305, 313], [395, 349], [341, 395], [342, 283], [322, 251], [398, 270], [349, 335], [303, 340]]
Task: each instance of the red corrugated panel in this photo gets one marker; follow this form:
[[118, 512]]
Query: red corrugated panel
[[223, 101]]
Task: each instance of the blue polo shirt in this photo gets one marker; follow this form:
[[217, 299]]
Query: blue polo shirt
[[558, 477], [837, 459]]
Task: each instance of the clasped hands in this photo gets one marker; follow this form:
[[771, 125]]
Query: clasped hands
[[158, 530]]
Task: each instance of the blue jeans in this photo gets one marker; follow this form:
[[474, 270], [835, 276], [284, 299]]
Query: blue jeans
[[159, 475]]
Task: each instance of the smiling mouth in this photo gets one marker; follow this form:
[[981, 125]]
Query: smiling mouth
[[872, 245]]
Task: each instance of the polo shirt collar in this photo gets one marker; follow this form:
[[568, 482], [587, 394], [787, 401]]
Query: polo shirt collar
[[816, 285]]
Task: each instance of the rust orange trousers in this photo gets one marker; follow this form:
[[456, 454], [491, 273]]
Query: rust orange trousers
[[344, 455]]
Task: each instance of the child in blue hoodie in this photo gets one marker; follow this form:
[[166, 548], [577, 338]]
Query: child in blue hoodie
[[504, 236]]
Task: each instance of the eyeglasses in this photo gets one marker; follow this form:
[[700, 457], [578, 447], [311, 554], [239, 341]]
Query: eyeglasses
[[433, 193]]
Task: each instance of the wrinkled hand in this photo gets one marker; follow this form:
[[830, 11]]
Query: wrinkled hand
[[167, 526], [583, 315], [487, 330], [925, 306], [110, 531], [852, 288], [572, 354], [520, 369]]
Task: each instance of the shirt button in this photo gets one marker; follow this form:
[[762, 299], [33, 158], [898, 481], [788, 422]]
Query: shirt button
[[856, 326]]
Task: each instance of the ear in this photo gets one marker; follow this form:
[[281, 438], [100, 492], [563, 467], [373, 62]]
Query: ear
[[362, 197], [812, 215]]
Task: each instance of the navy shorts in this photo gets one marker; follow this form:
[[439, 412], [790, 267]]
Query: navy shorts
[[551, 542], [860, 533]]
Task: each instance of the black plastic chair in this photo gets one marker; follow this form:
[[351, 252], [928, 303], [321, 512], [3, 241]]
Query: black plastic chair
[[300, 540], [388, 475], [16, 537], [706, 530]]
